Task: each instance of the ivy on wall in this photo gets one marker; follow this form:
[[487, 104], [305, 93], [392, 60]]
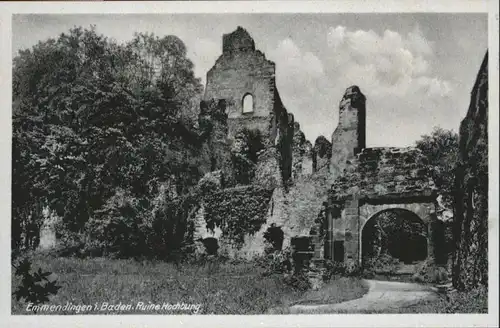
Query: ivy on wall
[[237, 211]]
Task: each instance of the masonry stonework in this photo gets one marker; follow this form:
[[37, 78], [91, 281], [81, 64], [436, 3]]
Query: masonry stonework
[[376, 180], [470, 263], [367, 181], [239, 71], [349, 137]]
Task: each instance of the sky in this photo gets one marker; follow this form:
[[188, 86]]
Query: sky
[[416, 70]]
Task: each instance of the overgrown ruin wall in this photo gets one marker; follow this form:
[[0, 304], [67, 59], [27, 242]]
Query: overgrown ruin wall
[[375, 180], [294, 175], [243, 71], [470, 264]]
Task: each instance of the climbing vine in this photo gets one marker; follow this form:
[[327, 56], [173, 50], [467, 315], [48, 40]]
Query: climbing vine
[[237, 211]]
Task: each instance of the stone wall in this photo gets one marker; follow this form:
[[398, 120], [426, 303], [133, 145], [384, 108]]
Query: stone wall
[[301, 153], [470, 264], [235, 217], [213, 124], [321, 154], [375, 180], [239, 71], [349, 137], [388, 172], [242, 70]]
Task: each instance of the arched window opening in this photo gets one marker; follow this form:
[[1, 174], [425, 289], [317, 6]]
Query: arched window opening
[[248, 103]]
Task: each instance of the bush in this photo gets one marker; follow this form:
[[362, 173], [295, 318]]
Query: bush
[[353, 269], [276, 263], [473, 301], [431, 273], [69, 243], [384, 263], [344, 269], [131, 227], [35, 287], [333, 268], [297, 281]]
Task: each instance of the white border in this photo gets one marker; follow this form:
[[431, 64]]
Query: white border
[[356, 6]]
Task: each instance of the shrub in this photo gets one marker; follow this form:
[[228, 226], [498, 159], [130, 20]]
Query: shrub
[[333, 268], [274, 237], [344, 269], [384, 263], [353, 269], [431, 273], [276, 263], [35, 287], [472, 301], [237, 211], [297, 281], [127, 226], [69, 243]]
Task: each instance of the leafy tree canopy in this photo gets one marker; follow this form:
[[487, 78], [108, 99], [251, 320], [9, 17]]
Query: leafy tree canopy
[[91, 116], [441, 149]]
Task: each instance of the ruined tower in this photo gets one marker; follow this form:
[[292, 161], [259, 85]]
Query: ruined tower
[[246, 80], [349, 138]]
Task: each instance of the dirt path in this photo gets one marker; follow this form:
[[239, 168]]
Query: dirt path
[[381, 296]]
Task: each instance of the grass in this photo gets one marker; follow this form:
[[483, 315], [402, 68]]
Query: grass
[[474, 301], [225, 289], [337, 290]]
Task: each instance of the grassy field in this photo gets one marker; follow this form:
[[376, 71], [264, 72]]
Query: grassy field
[[475, 301], [223, 289]]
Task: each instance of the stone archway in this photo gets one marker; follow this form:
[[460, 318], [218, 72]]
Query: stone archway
[[377, 179], [422, 211], [397, 232]]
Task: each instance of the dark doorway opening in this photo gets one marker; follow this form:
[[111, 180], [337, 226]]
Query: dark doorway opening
[[211, 245], [398, 233], [274, 237], [338, 251]]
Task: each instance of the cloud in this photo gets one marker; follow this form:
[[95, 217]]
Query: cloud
[[206, 53], [387, 63], [300, 78], [395, 72], [294, 61]]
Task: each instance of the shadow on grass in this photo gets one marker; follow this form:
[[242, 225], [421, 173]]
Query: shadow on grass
[[224, 289]]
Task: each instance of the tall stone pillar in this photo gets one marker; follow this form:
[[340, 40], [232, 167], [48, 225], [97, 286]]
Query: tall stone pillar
[[350, 135], [351, 213], [431, 219]]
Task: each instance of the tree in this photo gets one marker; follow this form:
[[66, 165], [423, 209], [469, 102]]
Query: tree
[[441, 149], [92, 118]]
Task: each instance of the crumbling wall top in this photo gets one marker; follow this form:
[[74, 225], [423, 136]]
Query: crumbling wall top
[[239, 40], [385, 172], [354, 95]]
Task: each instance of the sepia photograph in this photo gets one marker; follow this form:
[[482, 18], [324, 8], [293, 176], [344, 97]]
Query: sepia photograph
[[250, 164]]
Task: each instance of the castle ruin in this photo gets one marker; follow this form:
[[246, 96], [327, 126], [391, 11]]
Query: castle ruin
[[242, 96]]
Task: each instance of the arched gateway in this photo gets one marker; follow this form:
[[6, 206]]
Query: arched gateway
[[376, 180]]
